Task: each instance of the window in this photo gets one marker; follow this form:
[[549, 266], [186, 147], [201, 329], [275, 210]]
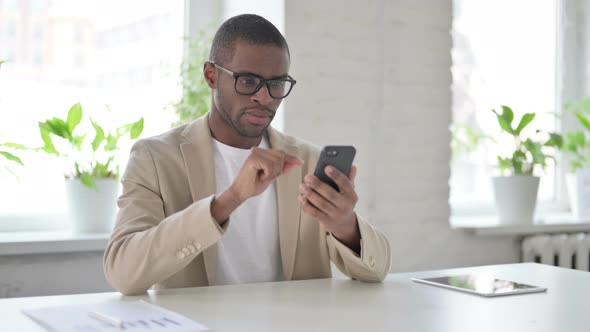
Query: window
[[126, 58], [504, 53]]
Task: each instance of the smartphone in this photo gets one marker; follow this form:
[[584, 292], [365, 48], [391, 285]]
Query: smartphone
[[340, 157]]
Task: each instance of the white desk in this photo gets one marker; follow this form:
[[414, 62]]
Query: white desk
[[398, 304]]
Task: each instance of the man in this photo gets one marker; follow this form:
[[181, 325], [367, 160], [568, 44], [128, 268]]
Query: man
[[227, 199]]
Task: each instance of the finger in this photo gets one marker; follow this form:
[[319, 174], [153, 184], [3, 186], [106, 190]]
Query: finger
[[277, 162], [265, 164], [322, 204], [312, 210], [290, 162], [288, 166], [286, 161], [325, 190], [352, 174], [290, 159], [343, 182]]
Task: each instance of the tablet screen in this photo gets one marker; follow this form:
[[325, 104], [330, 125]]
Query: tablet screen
[[482, 284]]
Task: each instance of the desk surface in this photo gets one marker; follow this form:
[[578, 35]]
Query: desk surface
[[398, 304]]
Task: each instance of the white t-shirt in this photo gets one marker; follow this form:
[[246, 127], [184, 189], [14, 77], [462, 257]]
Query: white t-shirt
[[249, 250]]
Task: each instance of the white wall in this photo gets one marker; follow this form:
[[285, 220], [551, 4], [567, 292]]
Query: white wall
[[51, 274], [376, 74], [585, 35]]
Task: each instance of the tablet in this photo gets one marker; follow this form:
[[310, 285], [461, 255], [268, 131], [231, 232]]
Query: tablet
[[481, 285]]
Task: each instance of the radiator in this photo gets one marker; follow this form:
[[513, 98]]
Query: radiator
[[564, 250]]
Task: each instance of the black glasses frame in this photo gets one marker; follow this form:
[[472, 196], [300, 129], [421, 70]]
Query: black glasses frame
[[263, 82]]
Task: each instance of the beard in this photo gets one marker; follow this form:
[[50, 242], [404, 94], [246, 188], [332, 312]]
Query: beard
[[243, 129]]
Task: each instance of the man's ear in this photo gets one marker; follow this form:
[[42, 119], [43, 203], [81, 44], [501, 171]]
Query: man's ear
[[209, 74]]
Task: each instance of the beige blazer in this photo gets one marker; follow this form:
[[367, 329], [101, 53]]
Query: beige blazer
[[165, 236]]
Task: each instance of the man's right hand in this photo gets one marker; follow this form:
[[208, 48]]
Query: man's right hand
[[261, 168]]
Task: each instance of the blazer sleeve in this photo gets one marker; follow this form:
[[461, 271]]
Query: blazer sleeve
[[146, 247], [374, 261]]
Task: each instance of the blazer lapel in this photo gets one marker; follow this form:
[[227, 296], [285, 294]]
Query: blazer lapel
[[200, 167], [287, 204]]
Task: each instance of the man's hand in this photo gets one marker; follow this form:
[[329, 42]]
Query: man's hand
[[333, 209], [261, 168]]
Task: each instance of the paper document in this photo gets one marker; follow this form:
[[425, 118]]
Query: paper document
[[112, 316]]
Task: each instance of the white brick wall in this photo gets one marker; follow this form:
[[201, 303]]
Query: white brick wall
[[376, 74], [585, 28]]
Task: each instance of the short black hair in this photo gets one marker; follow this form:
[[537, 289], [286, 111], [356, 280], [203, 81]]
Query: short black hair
[[250, 28]]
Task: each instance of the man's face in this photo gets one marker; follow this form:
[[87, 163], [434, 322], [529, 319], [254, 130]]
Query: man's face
[[249, 116]]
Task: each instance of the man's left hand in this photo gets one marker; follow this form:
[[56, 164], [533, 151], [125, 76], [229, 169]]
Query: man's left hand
[[333, 209]]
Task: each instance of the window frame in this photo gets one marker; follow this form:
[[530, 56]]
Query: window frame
[[49, 222], [566, 80]]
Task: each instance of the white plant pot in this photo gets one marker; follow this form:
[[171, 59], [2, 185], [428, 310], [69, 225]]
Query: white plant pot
[[516, 198], [92, 210], [578, 190]]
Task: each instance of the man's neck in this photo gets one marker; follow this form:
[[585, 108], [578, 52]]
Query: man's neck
[[223, 133]]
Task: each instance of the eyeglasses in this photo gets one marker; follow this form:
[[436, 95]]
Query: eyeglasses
[[249, 84]]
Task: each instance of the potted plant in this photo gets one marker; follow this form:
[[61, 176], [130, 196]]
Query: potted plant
[[92, 182], [577, 148], [515, 191], [196, 95]]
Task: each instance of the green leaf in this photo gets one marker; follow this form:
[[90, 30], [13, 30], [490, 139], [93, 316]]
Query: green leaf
[[87, 180], [583, 120], [136, 129], [74, 117], [46, 137], [15, 146], [555, 140], [111, 144], [77, 141], [524, 121], [505, 119], [519, 162], [11, 157], [575, 165], [77, 167], [536, 152], [99, 138], [101, 170], [576, 139], [58, 127], [507, 113], [503, 164]]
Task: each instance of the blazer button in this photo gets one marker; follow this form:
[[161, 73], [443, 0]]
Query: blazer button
[[179, 255], [191, 248]]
